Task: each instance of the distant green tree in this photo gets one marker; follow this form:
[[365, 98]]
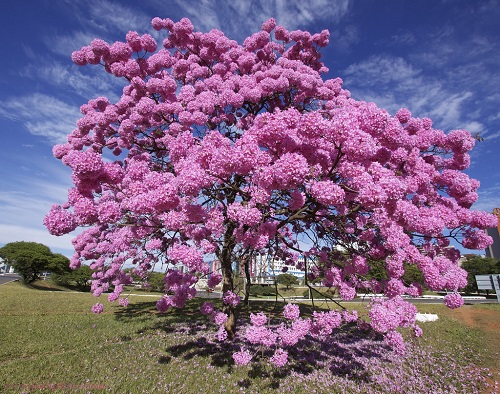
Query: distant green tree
[[378, 271], [31, 259], [79, 277], [156, 281], [477, 265], [259, 290], [287, 280], [413, 275]]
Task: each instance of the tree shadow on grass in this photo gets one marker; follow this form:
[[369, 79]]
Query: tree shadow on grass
[[140, 310], [40, 285], [346, 354], [186, 320]]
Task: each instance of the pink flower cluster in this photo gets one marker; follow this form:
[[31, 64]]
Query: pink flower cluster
[[97, 308], [214, 279], [243, 357], [230, 298], [262, 334], [291, 311], [453, 300]]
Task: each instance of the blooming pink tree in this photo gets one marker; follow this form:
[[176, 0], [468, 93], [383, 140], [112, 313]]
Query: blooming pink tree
[[232, 150]]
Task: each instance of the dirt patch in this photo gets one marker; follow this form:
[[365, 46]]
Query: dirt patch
[[484, 319], [487, 321]]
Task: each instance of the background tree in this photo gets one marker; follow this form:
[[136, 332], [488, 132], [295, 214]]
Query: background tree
[[31, 259], [287, 280], [477, 265], [80, 277], [236, 150], [156, 281]]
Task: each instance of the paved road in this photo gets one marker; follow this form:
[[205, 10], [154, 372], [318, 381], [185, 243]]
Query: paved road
[[6, 278]]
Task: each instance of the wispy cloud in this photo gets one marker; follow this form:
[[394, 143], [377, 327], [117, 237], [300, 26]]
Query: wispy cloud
[[14, 233], [113, 17], [394, 82], [383, 69], [240, 18], [25, 199], [108, 20], [345, 37], [87, 83], [488, 198], [65, 44], [42, 115]]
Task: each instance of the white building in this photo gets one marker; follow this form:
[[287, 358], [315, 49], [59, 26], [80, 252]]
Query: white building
[[264, 268], [5, 268]]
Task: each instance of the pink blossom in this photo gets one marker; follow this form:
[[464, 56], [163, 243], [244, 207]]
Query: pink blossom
[[148, 43], [453, 300], [279, 358], [349, 316], [260, 335], [347, 292], [297, 200], [214, 279], [123, 302], [241, 150], [243, 357], [207, 308], [229, 298], [220, 318], [328, 193], [97, 308], [258, 319], [291, 311], [324, 323], [403, 115], [417, 331], [163, 304], [59, 221], [396, 341], [387, 315], [221, 334]]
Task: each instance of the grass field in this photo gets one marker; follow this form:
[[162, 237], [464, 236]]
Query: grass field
[[51, 342]]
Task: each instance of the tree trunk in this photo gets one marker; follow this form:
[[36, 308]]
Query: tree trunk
[[227, 279], [248, 282]]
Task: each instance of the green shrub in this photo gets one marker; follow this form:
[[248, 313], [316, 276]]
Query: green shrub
[[259, 290], [331, 292]]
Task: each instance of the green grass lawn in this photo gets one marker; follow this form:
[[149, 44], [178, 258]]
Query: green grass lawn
[[51, 342]]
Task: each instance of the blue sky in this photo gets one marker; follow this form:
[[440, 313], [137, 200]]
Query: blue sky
[[439, 58]]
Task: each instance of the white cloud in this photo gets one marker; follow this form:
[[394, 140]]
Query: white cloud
[[448, 108], [474, 127], [345, 37], [404, 38], [382, 69], [27, 196], [114, 17], [240, 18], [394, 82], [491, 137], [65, 45], [489, 198], [42, 115], [87, 83], [14, 233]]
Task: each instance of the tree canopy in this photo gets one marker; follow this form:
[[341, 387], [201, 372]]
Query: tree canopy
[[287, 280], [80, 277], [231, 151], [31, 259], [477, 265]]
